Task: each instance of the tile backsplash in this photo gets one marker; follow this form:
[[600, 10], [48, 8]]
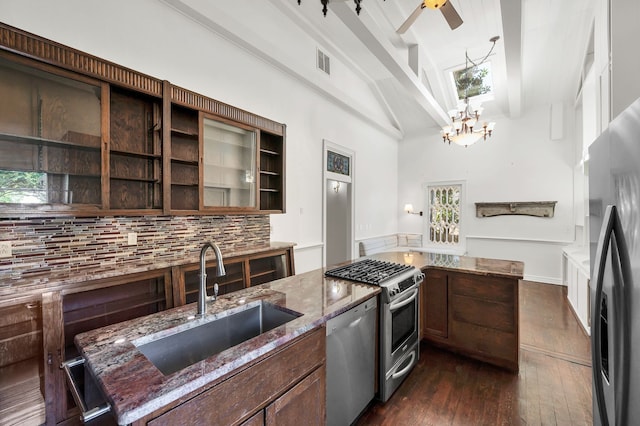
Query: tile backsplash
[[46, 245]]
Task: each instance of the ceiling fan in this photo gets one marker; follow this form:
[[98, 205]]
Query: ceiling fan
[[448, 11]]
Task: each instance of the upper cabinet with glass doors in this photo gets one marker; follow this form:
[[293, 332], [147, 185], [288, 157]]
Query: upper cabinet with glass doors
[[50, 137], [82, 136], [229, 165]]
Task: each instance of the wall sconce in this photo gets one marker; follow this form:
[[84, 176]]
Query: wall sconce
[[336, 186], [409, 209]]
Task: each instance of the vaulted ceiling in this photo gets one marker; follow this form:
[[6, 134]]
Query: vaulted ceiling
[[537, 60]]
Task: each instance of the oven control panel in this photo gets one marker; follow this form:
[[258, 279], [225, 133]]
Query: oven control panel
[[404, 285]]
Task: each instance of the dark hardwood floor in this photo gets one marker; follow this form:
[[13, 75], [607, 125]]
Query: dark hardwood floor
[[553, 386]]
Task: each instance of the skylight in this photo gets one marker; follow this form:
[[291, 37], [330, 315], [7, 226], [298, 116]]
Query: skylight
[[472, 82]]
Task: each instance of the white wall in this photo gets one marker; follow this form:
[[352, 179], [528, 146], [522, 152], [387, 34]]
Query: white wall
[[518, 163], [149, 36]]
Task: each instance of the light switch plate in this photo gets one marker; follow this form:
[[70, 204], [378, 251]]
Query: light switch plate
[[5, 249]]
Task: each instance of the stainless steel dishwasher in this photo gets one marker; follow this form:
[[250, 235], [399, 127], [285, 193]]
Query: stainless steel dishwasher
[[351, 346]]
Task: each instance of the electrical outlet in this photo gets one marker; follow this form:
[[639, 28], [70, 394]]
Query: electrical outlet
[[5, 249], [132, 238]]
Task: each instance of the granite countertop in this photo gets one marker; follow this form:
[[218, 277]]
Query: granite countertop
[[136, 387], [471, 265]]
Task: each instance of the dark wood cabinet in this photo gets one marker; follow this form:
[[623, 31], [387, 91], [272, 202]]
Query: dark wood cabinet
[[50, 137], [22, 366], [93, 138], [135, 152], [435, 304], [301, 405], [185, 159], [272, 167], [475, 315], [241, 272], [285, 388], [37, 332], [97, 304], [265, 268]]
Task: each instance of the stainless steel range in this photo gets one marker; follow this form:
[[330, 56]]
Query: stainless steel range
[[399, 338]]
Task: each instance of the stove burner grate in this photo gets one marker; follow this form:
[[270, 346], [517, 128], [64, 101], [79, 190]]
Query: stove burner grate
[[368, 271]]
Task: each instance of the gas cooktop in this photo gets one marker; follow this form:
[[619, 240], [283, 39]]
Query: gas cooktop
[[368, 271]]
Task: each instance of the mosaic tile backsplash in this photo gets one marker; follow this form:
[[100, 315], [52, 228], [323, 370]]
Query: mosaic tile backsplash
[[45, 245]]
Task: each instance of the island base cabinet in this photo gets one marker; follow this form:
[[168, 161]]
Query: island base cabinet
[[434, 304], [474, 315], [283, 388], [299, 406]]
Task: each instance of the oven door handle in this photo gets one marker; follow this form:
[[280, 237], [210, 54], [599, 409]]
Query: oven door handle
[[405, 370], [397, 305]]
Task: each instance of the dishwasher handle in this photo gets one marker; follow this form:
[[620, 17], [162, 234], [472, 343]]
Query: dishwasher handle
[[86, 414]]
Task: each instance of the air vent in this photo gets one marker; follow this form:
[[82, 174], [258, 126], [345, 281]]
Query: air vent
[[324, 62]]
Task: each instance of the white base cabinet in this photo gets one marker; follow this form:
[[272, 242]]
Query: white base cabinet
[[576, 277]]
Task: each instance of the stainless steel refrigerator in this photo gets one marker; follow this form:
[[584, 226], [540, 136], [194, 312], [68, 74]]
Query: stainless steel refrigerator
[[614, 228]]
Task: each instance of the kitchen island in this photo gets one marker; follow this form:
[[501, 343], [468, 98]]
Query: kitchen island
[[139, 393], [469, 305]]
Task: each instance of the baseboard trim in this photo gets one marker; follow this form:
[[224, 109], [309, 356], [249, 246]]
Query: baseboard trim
[[545, 280]]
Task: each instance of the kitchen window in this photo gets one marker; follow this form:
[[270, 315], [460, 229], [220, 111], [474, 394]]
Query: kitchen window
[[444, 212]]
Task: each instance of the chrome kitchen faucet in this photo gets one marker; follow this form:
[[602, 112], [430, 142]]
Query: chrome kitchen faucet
[[220, 271]]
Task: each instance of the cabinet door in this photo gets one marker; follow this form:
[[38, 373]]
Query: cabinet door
[[50, 137], [228, 165], [304, 404], [435, 304], [483, 317], [53, 342], [21, 364], [108, 303], [256, 420]]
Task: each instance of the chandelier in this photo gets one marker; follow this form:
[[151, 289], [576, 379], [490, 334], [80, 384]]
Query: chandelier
[[466, 128]]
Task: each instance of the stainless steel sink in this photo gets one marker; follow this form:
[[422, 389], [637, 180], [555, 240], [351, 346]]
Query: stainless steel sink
[[177, 351]]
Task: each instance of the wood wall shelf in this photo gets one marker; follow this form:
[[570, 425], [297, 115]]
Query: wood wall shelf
[[522, 208]]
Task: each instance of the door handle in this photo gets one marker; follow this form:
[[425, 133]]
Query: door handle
[[596, 341], [86, 414], [405, 370], [612, 231], [397, 305]]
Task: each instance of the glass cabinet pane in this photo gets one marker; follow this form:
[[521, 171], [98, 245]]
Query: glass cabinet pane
[[229, 165], [50, 137]]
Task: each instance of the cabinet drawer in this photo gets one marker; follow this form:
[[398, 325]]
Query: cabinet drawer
[[483, 313], [242, 395], [487, 342], [488, 288]]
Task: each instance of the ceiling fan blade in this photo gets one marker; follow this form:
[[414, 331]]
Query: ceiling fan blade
[[411, 19], [451, 15]]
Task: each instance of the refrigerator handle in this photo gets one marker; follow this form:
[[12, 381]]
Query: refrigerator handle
[[598, 275], [624, 295]]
